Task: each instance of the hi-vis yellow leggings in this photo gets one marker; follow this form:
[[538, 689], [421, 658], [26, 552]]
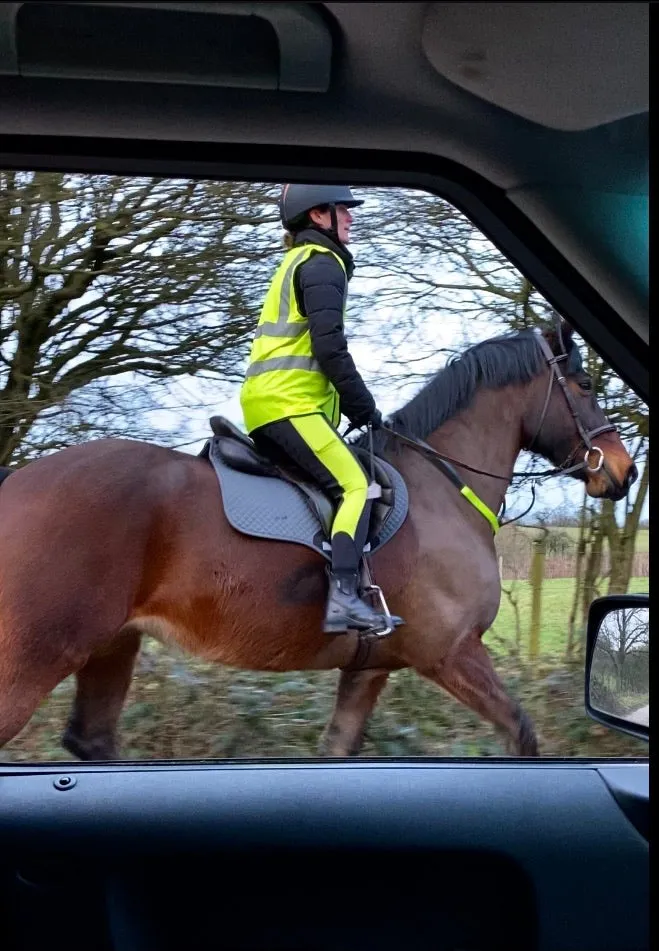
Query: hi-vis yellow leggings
[[312, 443]]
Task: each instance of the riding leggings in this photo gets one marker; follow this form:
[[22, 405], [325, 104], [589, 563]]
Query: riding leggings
[[314, 445]]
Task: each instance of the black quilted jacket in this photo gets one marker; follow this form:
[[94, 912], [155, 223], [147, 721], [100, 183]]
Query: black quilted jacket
[[321, 288]]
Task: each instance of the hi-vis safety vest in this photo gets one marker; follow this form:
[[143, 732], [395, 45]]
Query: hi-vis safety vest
[[283, 378]]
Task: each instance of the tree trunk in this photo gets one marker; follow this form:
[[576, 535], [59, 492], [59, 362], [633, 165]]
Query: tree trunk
[[592, 570], [579, 572], [514, 603], [622, 540]]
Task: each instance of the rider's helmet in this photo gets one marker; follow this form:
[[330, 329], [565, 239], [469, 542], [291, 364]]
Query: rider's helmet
[[297, 200]]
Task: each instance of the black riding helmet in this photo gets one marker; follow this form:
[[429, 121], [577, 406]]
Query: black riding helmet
[[296, 200]]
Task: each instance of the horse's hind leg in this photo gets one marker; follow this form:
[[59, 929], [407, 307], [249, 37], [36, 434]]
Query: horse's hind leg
[[356, 696], [469, 676], [102, 685]]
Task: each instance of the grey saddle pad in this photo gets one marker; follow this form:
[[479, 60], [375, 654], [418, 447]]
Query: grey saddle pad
[[267, 507]]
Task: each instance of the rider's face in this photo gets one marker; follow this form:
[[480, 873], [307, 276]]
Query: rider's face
[[343, 219]]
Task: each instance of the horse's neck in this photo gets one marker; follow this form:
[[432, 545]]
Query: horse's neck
[[487, 436]]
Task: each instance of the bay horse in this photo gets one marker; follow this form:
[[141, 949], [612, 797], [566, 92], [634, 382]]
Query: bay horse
[[104, 542]]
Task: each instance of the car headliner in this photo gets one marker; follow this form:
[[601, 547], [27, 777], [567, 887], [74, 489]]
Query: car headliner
[[548, 102]]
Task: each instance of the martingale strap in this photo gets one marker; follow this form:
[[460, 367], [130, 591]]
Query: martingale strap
[[447, 469]]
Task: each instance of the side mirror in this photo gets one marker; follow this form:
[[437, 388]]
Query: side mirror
[[617, 663]]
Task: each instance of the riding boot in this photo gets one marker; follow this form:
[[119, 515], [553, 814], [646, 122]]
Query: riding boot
[[346, 610]]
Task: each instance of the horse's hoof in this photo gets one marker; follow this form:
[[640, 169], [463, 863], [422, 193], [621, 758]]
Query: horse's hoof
[[86, 750]]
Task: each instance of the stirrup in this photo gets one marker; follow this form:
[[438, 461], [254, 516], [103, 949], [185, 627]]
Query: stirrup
[[374, 592]]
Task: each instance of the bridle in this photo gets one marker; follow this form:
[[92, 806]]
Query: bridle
[[444, 462], [586, 435]]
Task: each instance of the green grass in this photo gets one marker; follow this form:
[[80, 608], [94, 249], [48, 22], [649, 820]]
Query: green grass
[[557, 594], [642, 538]]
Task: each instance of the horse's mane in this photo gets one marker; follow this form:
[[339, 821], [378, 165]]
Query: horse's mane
[[494, 363]]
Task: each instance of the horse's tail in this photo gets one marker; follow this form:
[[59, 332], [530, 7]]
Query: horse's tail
[[4, 472]]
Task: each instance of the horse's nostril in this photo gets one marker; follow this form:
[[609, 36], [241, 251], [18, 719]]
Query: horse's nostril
[[632, 476]]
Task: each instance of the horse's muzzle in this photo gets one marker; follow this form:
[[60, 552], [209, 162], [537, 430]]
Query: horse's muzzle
[[619, 490], [609, 483]]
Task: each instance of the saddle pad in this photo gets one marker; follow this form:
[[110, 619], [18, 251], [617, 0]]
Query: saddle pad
[[271, 508]]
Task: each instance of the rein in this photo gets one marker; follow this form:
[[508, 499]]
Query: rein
[[445, 463]]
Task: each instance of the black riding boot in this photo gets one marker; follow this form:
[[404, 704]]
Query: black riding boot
[[346, 610]]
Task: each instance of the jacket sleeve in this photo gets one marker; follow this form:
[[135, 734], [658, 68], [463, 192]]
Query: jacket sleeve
[[321, 287]]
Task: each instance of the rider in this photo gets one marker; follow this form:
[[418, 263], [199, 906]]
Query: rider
[[301, 378]]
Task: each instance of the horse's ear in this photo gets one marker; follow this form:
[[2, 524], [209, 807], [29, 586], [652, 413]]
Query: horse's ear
[[566, 332], [559, 336]]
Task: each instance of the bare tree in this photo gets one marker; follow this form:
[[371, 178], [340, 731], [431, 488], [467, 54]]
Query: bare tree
[[623, 634], [622, 538], [103, 277]]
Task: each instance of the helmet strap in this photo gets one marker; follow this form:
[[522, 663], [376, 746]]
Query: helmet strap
[[334, 220], [333, 230]]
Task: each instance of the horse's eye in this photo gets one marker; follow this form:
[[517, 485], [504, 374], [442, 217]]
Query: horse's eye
[[586, 385]]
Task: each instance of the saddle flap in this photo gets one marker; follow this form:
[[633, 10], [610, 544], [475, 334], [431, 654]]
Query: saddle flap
[[381, 475], [384, 504], [385, 483], [238, 452], [320, 504], [285, 509]]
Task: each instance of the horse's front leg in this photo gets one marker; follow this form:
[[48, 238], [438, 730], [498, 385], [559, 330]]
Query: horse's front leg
[[356, 696]]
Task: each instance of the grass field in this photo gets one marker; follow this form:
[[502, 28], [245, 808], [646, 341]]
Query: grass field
[[557, 594]]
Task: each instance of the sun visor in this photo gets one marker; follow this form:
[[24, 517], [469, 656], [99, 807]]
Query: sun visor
[[529, 58]]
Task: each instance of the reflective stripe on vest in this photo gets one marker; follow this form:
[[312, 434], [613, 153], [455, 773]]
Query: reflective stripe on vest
[[283, 363]]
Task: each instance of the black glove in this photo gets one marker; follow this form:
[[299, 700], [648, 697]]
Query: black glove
[[374, 418]]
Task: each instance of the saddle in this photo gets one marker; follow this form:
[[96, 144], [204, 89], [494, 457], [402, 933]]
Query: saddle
[[238, 452]]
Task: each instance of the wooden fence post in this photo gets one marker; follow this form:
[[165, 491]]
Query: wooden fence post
[[536, 579]]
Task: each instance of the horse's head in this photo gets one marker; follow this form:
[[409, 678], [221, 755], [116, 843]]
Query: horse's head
[[566, 424]]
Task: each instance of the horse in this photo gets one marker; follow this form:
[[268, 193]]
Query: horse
[[104, 542]]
